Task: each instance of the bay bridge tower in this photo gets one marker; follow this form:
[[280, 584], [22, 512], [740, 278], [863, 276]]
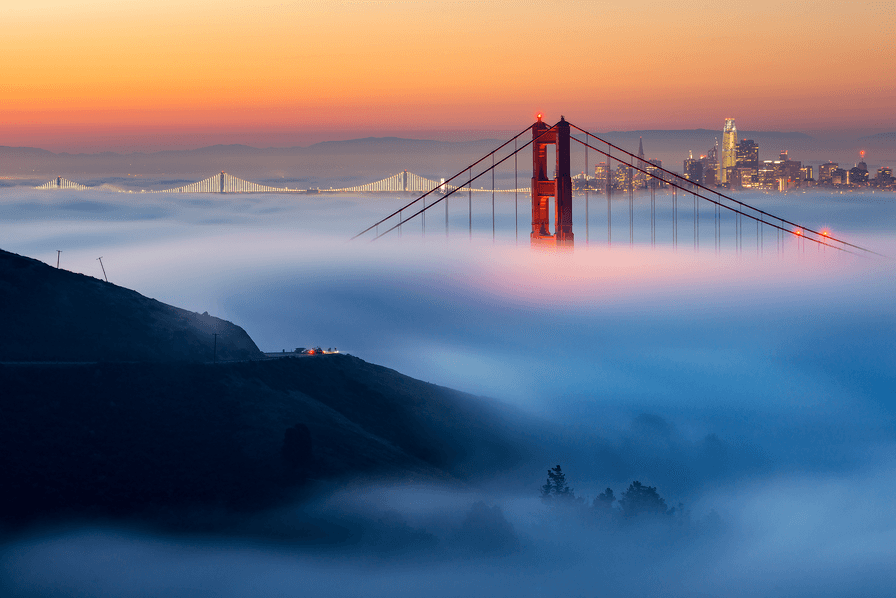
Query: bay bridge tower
[[558, 187]]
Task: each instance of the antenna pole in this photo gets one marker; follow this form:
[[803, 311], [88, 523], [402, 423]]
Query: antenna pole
[[58, 251], [103, 267]]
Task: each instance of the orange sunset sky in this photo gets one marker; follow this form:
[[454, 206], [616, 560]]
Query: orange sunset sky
[[134, 74]]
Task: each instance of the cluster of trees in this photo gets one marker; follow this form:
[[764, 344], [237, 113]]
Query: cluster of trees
[[638, 501]]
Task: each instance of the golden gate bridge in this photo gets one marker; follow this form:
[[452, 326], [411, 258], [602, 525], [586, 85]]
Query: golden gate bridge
[[553, 194], [548, 194]]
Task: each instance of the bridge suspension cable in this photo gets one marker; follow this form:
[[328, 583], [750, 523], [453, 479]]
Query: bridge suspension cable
[[452, 189], [689, 186], [684, 186]]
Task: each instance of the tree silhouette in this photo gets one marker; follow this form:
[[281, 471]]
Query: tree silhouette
[[642, 500], [604, 501], [556, 487]]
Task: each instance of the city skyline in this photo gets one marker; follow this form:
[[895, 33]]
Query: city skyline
[[735, 165]]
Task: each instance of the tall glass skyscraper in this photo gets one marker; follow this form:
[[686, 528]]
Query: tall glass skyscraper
[[729, 150]]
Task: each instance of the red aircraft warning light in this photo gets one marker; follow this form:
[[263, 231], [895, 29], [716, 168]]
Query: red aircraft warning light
[[798, 232], [538, 116]]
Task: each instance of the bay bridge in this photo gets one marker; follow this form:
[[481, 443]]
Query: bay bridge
[[223, 182]]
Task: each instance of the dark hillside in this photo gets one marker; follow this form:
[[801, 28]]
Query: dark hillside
[[109, 406], [121, 438], [48, 314]]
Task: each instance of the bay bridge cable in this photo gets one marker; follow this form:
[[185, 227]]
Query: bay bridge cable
[[802, 229], [676, 186], [466, 185]]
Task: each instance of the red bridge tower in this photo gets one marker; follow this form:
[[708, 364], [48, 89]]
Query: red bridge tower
[[559, 187]]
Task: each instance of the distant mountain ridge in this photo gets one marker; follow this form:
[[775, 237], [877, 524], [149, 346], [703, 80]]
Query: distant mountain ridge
[[223, 149], [344, 163], [220, 148], [889, 136], [684, 132]]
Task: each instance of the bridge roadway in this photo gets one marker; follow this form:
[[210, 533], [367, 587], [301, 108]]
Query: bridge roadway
[[403, 182]]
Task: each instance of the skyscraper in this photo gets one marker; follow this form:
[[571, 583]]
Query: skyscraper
[[711, 165], [693, 170], [601, 172], [771, 175], [747, 155], [791, 171], [826, 173], [729, 150], [639, 178]]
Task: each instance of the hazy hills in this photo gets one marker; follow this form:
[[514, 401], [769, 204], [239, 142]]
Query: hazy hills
[[349, 162]]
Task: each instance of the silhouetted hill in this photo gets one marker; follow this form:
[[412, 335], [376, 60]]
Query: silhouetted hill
[[51, 314], [107, 409], [122, 439]]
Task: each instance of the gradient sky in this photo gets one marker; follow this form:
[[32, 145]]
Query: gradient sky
[[135, 74]]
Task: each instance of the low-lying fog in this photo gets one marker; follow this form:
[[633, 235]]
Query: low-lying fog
[[755, 388]]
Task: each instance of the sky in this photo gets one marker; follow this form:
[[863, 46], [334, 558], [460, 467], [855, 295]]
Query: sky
[[137, 75]]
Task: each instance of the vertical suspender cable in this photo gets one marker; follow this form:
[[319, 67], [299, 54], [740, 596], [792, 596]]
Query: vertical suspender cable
[[631, 203], [587, 185], [652, 212], [674, 217], [609, 193]]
